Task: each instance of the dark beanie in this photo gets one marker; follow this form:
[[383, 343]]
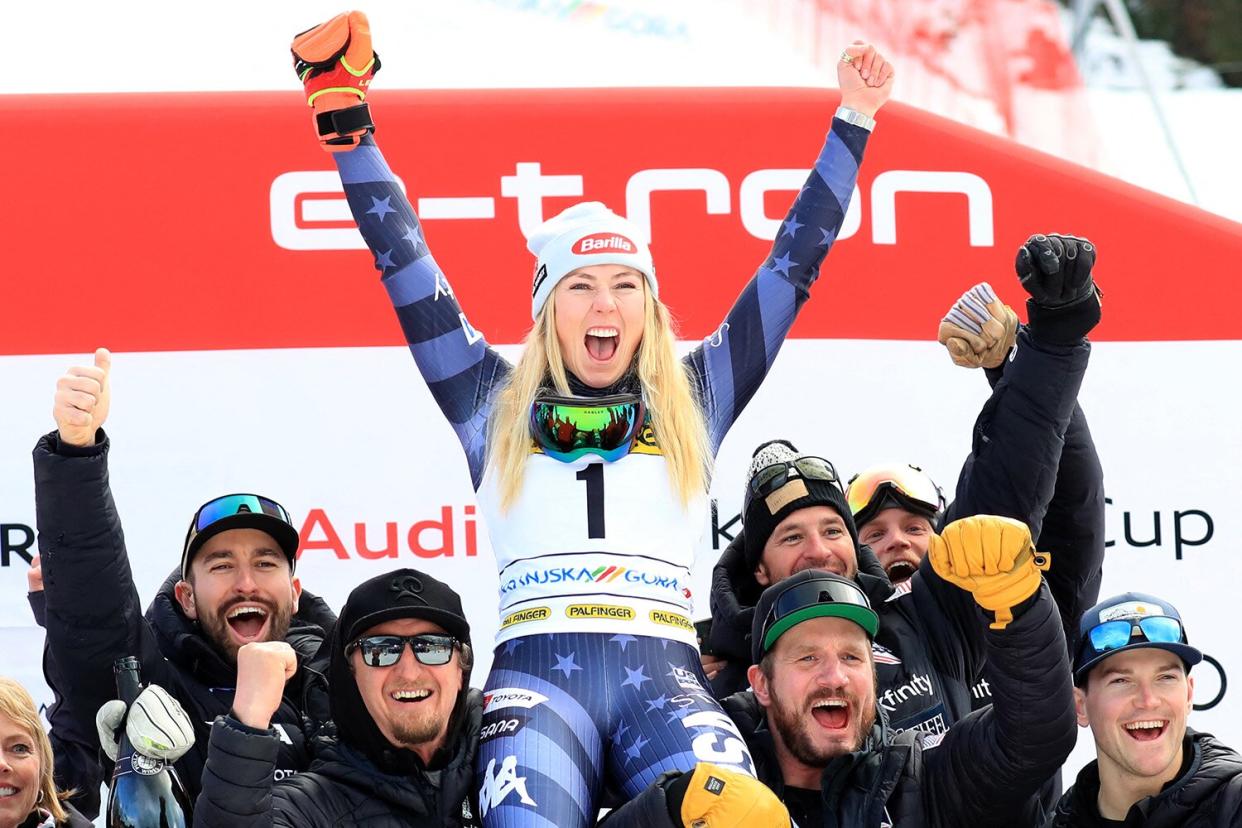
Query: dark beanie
[[763, 514]]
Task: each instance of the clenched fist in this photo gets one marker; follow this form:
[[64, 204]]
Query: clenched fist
[[979, 330], [865, 78], [263, 667], [82, 399], [992, 558]]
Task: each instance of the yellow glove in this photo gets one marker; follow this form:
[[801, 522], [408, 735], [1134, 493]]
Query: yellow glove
[[723, 798], [993, 559], [979, 329]]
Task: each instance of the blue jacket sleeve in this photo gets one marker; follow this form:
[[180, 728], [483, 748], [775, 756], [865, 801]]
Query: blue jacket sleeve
[[462, 371], [731, 363]]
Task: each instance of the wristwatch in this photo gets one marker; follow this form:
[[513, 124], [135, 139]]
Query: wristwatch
[[853, 116]]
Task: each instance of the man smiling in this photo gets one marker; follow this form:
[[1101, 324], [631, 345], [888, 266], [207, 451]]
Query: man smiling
[[820, 738], [1134, 691], [235, 585]]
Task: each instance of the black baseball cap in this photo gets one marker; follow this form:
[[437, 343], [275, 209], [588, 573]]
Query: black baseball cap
[[1130, 621], [403, 593], [812, 593], [240, 511]]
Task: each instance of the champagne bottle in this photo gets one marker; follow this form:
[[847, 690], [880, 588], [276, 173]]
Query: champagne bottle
[[145, 792]]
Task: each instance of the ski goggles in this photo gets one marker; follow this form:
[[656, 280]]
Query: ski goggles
[[230, 505], [771, 478], [567, 427], [430, 649], [903, 485], [1113, 635], [817, 597]]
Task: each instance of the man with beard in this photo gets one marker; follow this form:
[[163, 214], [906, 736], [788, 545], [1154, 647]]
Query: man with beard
[[819, 734], [407, 722], [1134, 690], [235, 585]]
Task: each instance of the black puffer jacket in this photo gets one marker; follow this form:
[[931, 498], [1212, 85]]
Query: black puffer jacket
[[928, 653], [1207, 794], [983, 772], [342, 788], [94, 615]]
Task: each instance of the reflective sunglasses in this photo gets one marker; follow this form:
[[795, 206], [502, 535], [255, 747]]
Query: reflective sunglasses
[[229, 505], [567, 427], [809, 599], [386, 650], [908, 485], [771, 478], [1113, 635]]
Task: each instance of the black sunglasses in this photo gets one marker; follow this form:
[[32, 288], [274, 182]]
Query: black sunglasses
[[386, 650]]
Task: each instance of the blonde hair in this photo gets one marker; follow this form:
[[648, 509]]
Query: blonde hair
[[16, 704], [677, 419]]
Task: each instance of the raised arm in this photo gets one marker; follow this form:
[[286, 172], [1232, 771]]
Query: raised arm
[[335, 62], [731, 363], [93, 613], [993, 762]]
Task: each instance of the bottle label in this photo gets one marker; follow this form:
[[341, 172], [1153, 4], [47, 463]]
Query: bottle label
[[145, 765]]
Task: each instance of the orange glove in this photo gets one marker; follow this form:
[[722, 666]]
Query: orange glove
[[718, 797], [335, 63], [992, 558], [979, 329]]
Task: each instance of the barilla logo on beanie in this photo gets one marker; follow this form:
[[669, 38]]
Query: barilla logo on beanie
[[601, 242], [586, 234]]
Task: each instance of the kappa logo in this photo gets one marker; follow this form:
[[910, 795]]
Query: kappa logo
[[503, 697], [498, 785], [407, 586], [604, 243]]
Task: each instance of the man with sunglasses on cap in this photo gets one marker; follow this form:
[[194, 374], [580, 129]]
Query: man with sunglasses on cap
[[235, 585], [1134, 690], [817, 727], [407, 723]]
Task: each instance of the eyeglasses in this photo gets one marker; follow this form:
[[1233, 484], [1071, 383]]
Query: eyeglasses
[[386, 650], [229, 505], [1113, 635], [908, 485], [771, 478], [567, 428], [806, 599]]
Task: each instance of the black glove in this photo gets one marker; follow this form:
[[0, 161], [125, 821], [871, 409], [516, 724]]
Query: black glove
[[1056, 272]]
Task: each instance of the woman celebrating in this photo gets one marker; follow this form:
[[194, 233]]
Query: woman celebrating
[[28, 796], [591, 456]]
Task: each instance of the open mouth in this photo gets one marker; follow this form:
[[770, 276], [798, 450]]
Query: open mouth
[[6, 791], [1148, 730], [831, 714], [247, 621], [415, 696], [899, 571], [601, 343]]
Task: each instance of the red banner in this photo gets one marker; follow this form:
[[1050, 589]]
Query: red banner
[[206, 221]]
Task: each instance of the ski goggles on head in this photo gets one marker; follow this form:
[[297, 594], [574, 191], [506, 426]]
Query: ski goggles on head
[[230, 505], [567, 427], [240, 511], [817, 597], [771, 478], [903, 485], [430, 649]]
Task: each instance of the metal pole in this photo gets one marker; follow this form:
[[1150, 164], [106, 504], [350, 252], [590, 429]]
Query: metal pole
[[1125, 27], [1083, 10]]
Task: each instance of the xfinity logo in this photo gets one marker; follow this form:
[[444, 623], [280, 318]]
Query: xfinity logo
[[916, 686], [302, 199]]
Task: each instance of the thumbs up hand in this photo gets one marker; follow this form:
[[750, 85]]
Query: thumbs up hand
[[82, 399]]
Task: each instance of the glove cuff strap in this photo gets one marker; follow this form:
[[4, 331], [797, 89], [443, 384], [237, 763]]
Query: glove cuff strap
[[338, 122], [1065, 325]]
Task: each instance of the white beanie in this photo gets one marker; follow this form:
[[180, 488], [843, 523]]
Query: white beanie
[[583, 235]]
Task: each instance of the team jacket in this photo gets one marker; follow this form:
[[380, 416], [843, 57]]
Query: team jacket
[[929, 659], [1207, 794], [341, 788], [982, 772], [94, 616], [591, 546]]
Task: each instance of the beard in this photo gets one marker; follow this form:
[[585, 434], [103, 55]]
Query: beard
[[216, 629], [417, 730], [794, 724]]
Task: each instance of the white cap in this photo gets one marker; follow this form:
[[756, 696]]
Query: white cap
[[584, 235]]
